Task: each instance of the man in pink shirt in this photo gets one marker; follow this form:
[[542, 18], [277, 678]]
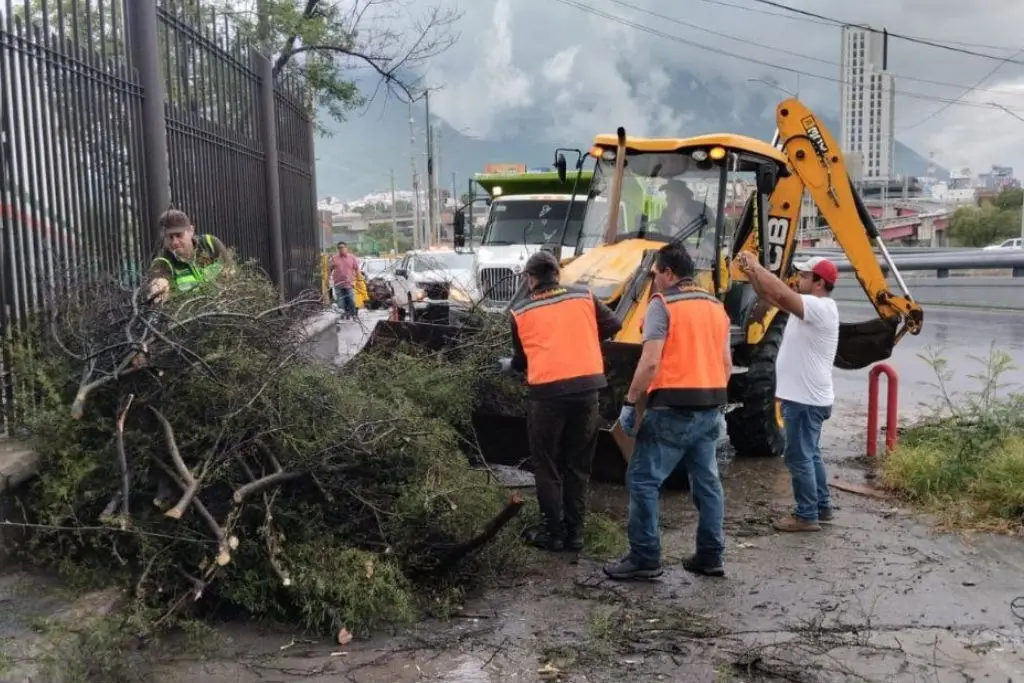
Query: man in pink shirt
[[344, 267]]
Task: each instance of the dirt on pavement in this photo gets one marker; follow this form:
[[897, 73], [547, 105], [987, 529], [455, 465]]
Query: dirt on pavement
[[877, 595]]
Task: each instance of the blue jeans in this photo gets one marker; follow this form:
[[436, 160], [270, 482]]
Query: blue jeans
[[347, 297], [666, 437], [803, 458]]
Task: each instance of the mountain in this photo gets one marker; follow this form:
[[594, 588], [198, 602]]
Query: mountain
[[356, 159]]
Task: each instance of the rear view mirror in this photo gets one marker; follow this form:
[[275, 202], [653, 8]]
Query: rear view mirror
[[560, 166], [401, 272]]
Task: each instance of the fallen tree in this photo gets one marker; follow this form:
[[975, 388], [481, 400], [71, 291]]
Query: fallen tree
[[194, 455]]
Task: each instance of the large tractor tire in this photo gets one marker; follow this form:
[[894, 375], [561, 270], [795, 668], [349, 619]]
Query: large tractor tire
[[755, 429]]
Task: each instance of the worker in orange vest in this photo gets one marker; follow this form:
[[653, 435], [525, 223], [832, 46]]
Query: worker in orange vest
[[557, 332], [684, 372]]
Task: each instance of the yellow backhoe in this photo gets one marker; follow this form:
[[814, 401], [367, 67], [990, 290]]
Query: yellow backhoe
[[617, 265]]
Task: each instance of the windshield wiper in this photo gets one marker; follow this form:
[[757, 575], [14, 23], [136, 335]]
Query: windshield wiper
[[498, 243]]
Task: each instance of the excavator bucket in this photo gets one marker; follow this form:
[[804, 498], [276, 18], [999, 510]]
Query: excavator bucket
[[862, 344], [504, 437]]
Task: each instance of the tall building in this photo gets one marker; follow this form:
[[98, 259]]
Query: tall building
[[867, 103]]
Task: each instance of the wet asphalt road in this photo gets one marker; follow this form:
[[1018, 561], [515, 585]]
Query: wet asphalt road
[[954, 334]]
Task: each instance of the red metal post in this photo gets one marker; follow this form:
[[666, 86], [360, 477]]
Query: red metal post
[[891, 408]]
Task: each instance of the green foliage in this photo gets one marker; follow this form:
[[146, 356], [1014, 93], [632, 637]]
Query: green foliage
[[323, 41], [967, 459], [992, 222], [378, 486]]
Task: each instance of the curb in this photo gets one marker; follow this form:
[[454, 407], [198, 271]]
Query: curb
[[318, 323]]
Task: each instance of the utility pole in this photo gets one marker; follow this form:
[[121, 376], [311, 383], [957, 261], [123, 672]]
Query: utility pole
[[431, 197], [415, 183], [437, 185], [394, 215]]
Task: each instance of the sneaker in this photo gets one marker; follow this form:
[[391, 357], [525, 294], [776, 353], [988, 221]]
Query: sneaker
[[795, 524], [626, 569], [694, 565], [825, 514], [542, 540]]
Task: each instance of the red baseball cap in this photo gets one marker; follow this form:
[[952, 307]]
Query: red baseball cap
[[821, 267]]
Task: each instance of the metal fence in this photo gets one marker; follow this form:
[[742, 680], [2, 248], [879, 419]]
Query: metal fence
[[114, 110], [111, 111]]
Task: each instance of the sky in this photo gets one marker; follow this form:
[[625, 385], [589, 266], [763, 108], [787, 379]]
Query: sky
[[565, 69]]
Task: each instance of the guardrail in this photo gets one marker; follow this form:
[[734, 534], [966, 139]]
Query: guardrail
[[931, 283]]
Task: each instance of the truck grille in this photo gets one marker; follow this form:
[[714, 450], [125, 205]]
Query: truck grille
[[498, 284]]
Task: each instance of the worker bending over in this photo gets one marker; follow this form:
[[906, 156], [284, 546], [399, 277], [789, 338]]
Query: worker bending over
[[556, 342], [684, 371], [185, 260], [803, 378]]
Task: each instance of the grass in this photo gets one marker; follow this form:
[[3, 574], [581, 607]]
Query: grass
[[965, 462]]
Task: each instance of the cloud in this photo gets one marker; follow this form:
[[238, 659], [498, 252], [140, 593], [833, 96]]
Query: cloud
[[542, 67]]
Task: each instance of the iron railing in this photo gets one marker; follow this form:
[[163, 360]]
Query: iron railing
[[113, 110]]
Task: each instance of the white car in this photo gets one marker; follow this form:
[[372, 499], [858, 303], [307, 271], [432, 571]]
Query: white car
[[424, 280], [1013, 243]]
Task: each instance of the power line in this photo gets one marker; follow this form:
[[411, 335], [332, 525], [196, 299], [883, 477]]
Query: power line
[[891, 34], [800, 55], [684, 41], [965, 93], [836, 22]]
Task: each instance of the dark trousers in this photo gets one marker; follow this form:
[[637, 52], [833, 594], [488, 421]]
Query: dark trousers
[[563, 437]]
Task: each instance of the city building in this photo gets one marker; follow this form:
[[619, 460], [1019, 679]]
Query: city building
[[998, 178], [867, 104]]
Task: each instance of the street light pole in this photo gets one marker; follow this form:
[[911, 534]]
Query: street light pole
[[1019, 118]]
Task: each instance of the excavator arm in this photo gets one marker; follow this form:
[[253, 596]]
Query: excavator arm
[[816, 164]]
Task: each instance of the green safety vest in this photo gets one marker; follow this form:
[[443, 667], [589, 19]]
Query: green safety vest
[[188, 275]]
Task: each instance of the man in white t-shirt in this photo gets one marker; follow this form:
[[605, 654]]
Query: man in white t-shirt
[[803, 378]]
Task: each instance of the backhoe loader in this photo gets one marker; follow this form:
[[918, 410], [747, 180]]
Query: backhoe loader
[[617, 266]]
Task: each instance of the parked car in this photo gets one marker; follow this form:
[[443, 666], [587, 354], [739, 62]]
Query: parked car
[[1013, 243], [424, 279], [378, 272]]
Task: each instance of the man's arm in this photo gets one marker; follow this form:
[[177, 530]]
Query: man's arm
[[608, 324], [655, 331], [775, 291], [159, 277], [221, 252], [518, 355]]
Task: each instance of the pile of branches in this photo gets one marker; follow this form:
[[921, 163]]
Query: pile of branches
[[195, 455]]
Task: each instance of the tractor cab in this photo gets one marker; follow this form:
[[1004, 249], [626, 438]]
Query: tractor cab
[[700, 192]]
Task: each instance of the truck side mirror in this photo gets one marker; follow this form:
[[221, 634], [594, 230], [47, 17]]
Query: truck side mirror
[[560, 166]]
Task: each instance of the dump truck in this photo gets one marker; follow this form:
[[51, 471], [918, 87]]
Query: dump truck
[[614, 256], [527, 210]]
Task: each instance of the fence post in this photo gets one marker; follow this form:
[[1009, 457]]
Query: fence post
[[141, 21], [268, 120], [891, 408]]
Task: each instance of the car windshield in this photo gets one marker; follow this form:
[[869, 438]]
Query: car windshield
[[532, 221], [442, 260], [374, 266]]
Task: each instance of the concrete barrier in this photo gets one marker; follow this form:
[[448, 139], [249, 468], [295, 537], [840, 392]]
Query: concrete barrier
[[1005, 293]]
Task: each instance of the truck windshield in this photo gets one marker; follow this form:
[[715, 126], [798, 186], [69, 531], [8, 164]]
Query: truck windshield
[[528, 221]]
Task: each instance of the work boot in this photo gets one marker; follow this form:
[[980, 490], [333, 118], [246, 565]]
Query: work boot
[[628, 569], [825, 514], [544, 540], [696, 565], [574, 540], [795, 524]]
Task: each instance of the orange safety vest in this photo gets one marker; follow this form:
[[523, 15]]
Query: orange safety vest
[[557, 328], [691, 373]]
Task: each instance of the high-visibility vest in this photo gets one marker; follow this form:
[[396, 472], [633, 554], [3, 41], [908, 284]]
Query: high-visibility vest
[[186, 275], [692, 371], [558, 331]]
